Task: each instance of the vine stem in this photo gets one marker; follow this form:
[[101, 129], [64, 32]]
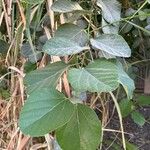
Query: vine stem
[[120, 119]]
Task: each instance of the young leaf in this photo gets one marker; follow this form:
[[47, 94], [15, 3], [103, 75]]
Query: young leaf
[[111, 11], [45, 110], [113, 44], [69, 39], [98, 76], [126, 81], [45, 77], [143, 100], [126, 107], [65, 6], [82, 132], [138, 118], [131, 146]]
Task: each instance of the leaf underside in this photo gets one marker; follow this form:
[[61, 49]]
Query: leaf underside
[[112, 44]]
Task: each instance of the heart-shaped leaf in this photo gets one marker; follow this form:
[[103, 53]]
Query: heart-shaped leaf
[[111, 11], [65, 6], [45, 77], [98, 76], [45, 110], [69, 39], [113, 44], [82, 132]]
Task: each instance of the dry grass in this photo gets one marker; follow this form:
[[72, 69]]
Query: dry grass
[[11, 137]]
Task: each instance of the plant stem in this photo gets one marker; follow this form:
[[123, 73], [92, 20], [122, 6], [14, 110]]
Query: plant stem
[[120, 119]]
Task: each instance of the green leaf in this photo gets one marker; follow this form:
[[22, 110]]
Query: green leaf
[[126, 107], [131, 146], [73, 32], [62, 47], [126, 81], [45, 110], [3, 47], [138, 118], [44, 77], [69, 39], [143, 100], [98, 76], [111, 11], [110, 28], [65, 6], [142, 15], [113, 44], [82, 132]]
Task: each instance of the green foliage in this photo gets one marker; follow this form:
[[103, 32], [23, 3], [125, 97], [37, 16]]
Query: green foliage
[[126, 81], [98, 76], [131, 146], [138, 118], [45, 110], [111, 12], [77, 126], [143, 100], [65, 6], [126, 107], [69, 39], [82, 131], [113, 44], [45, 77]]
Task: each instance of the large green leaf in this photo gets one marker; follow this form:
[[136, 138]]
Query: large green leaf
[[126, 81], [65, 6], [111, 11], [45, 110], [61, 46], [69, 39], [113, 44], [73, 32], [82, 132], [98, 76], [45, 77]]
